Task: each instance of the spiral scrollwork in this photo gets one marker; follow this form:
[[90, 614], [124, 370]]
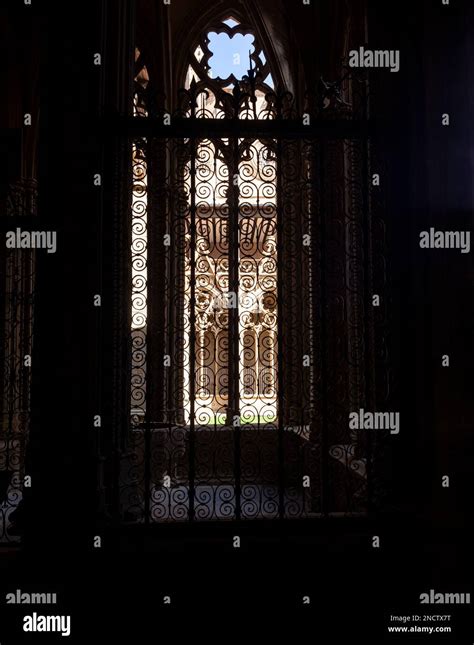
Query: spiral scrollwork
[[242, 385]]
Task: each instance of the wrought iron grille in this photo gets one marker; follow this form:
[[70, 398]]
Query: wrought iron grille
[[251, 326]]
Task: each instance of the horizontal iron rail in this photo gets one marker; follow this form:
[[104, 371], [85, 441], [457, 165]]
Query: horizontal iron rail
[[242, 128]]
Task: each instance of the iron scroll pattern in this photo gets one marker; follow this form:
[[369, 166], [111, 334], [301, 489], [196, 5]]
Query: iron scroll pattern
[[252, 331]]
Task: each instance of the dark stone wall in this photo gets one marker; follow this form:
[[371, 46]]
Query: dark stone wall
[[429, 184]]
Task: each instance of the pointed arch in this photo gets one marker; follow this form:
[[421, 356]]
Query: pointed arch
[[249, 22], [236, 333]]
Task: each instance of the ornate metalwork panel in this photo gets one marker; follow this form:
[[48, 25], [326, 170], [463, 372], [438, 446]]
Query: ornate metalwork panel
[[250, 294]]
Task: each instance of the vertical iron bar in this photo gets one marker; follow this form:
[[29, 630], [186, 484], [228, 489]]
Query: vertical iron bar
[[149, 360], [280, 401], [314, 415], [118, 161], [192, 334], [370, 340], [324, 336], [369, 314], [234, 376]]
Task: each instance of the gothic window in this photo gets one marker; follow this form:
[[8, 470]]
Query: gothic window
[[226, 57], [245, 296]]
